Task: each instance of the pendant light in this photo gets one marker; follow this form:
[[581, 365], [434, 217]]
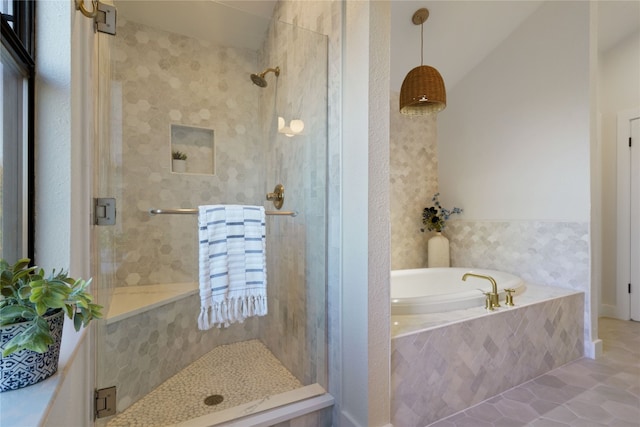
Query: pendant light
[[423, 89]]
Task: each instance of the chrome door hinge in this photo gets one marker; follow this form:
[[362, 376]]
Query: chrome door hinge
[[103, 15], [105, 19], [105, 402], [104, 211]]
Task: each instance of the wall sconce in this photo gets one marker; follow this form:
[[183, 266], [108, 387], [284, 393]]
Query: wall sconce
[[423, 89], [295, 127]]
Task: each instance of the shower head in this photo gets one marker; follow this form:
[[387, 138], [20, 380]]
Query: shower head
[[259, 80]]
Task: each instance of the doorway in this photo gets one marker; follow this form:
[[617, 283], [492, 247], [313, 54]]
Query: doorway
[[628, 228]]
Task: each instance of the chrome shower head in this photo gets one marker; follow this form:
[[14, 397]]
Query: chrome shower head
[[259, 80]]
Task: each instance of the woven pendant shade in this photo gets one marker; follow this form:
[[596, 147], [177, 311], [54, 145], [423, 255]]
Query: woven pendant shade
[[422, 92], [423, 89]]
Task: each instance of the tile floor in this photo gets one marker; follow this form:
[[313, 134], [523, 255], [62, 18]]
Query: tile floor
[[584, 393]]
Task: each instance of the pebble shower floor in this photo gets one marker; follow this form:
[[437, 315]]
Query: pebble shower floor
[[241, 373]]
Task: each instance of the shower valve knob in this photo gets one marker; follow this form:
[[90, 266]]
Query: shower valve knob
[[277, 197]]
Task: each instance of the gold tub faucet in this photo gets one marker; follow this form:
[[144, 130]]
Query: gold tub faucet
[[493, 295]]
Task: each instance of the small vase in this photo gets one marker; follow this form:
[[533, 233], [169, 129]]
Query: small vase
[[179, 166], [438, 251]]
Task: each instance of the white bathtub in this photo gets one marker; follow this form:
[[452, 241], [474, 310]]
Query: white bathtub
[[436, 290]]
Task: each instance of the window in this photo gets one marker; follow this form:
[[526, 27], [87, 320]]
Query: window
[[16, 120]]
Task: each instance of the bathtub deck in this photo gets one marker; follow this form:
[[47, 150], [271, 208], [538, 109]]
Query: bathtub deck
[[408, 324], [244, 373]]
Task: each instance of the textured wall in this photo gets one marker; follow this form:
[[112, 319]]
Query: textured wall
[[167, 78], [414, 181], [440, 371]]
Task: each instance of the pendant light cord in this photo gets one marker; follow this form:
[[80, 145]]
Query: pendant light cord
[[421, 44]]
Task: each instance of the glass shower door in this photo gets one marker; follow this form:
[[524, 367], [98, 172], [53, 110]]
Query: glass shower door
[[169, 91]]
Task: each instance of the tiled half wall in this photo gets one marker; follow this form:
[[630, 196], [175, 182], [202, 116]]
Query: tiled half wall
[[148, 348], [440, 371]]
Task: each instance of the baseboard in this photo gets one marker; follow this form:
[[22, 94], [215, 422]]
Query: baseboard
[[268, 411], [608, 310], [593, 349], [347, 421]]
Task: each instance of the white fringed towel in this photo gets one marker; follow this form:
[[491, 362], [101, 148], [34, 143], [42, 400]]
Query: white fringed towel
[[232, 264]]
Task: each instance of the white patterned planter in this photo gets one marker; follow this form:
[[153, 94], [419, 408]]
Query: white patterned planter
[[26, 367]]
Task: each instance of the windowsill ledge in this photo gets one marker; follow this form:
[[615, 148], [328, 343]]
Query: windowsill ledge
[[30, 405]]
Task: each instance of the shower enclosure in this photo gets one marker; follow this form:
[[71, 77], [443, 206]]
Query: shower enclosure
[[197, 79]]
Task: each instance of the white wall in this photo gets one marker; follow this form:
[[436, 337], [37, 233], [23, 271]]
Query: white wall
[[378, 207], [63, 138], [53, 135], [365, 215], [514, 151], [514, 138], [619, 90]]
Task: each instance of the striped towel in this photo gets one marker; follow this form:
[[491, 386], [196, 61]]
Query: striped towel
[[233, 269]]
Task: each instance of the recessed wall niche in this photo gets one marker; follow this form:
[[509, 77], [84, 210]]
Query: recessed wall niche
[[192, 150]]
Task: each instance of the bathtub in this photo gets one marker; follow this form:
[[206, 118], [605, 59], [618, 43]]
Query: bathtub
[[436, 290]]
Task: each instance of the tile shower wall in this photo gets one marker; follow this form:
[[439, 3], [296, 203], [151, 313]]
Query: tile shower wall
[[162, 79], [159, 79], [295, 327], [326, 17], [438, 372], [414, 180]]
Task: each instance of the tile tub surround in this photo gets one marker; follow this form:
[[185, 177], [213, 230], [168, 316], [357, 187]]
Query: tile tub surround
[[442, 370], [602, 392], [552, 253]]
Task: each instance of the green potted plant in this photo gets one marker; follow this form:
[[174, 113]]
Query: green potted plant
[[32, 308], [179, 161]]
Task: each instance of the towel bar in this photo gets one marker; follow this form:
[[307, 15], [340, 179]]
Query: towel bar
[[195, 212]]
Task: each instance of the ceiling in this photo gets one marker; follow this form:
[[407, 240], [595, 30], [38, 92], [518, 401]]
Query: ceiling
[[457, 35], [238, 23]]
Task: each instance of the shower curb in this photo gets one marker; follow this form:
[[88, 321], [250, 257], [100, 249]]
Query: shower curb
[[273, 409]]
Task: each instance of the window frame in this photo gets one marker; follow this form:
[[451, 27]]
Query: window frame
[[19, 41]]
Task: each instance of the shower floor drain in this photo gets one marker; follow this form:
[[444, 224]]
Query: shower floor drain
[[213, 400]]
